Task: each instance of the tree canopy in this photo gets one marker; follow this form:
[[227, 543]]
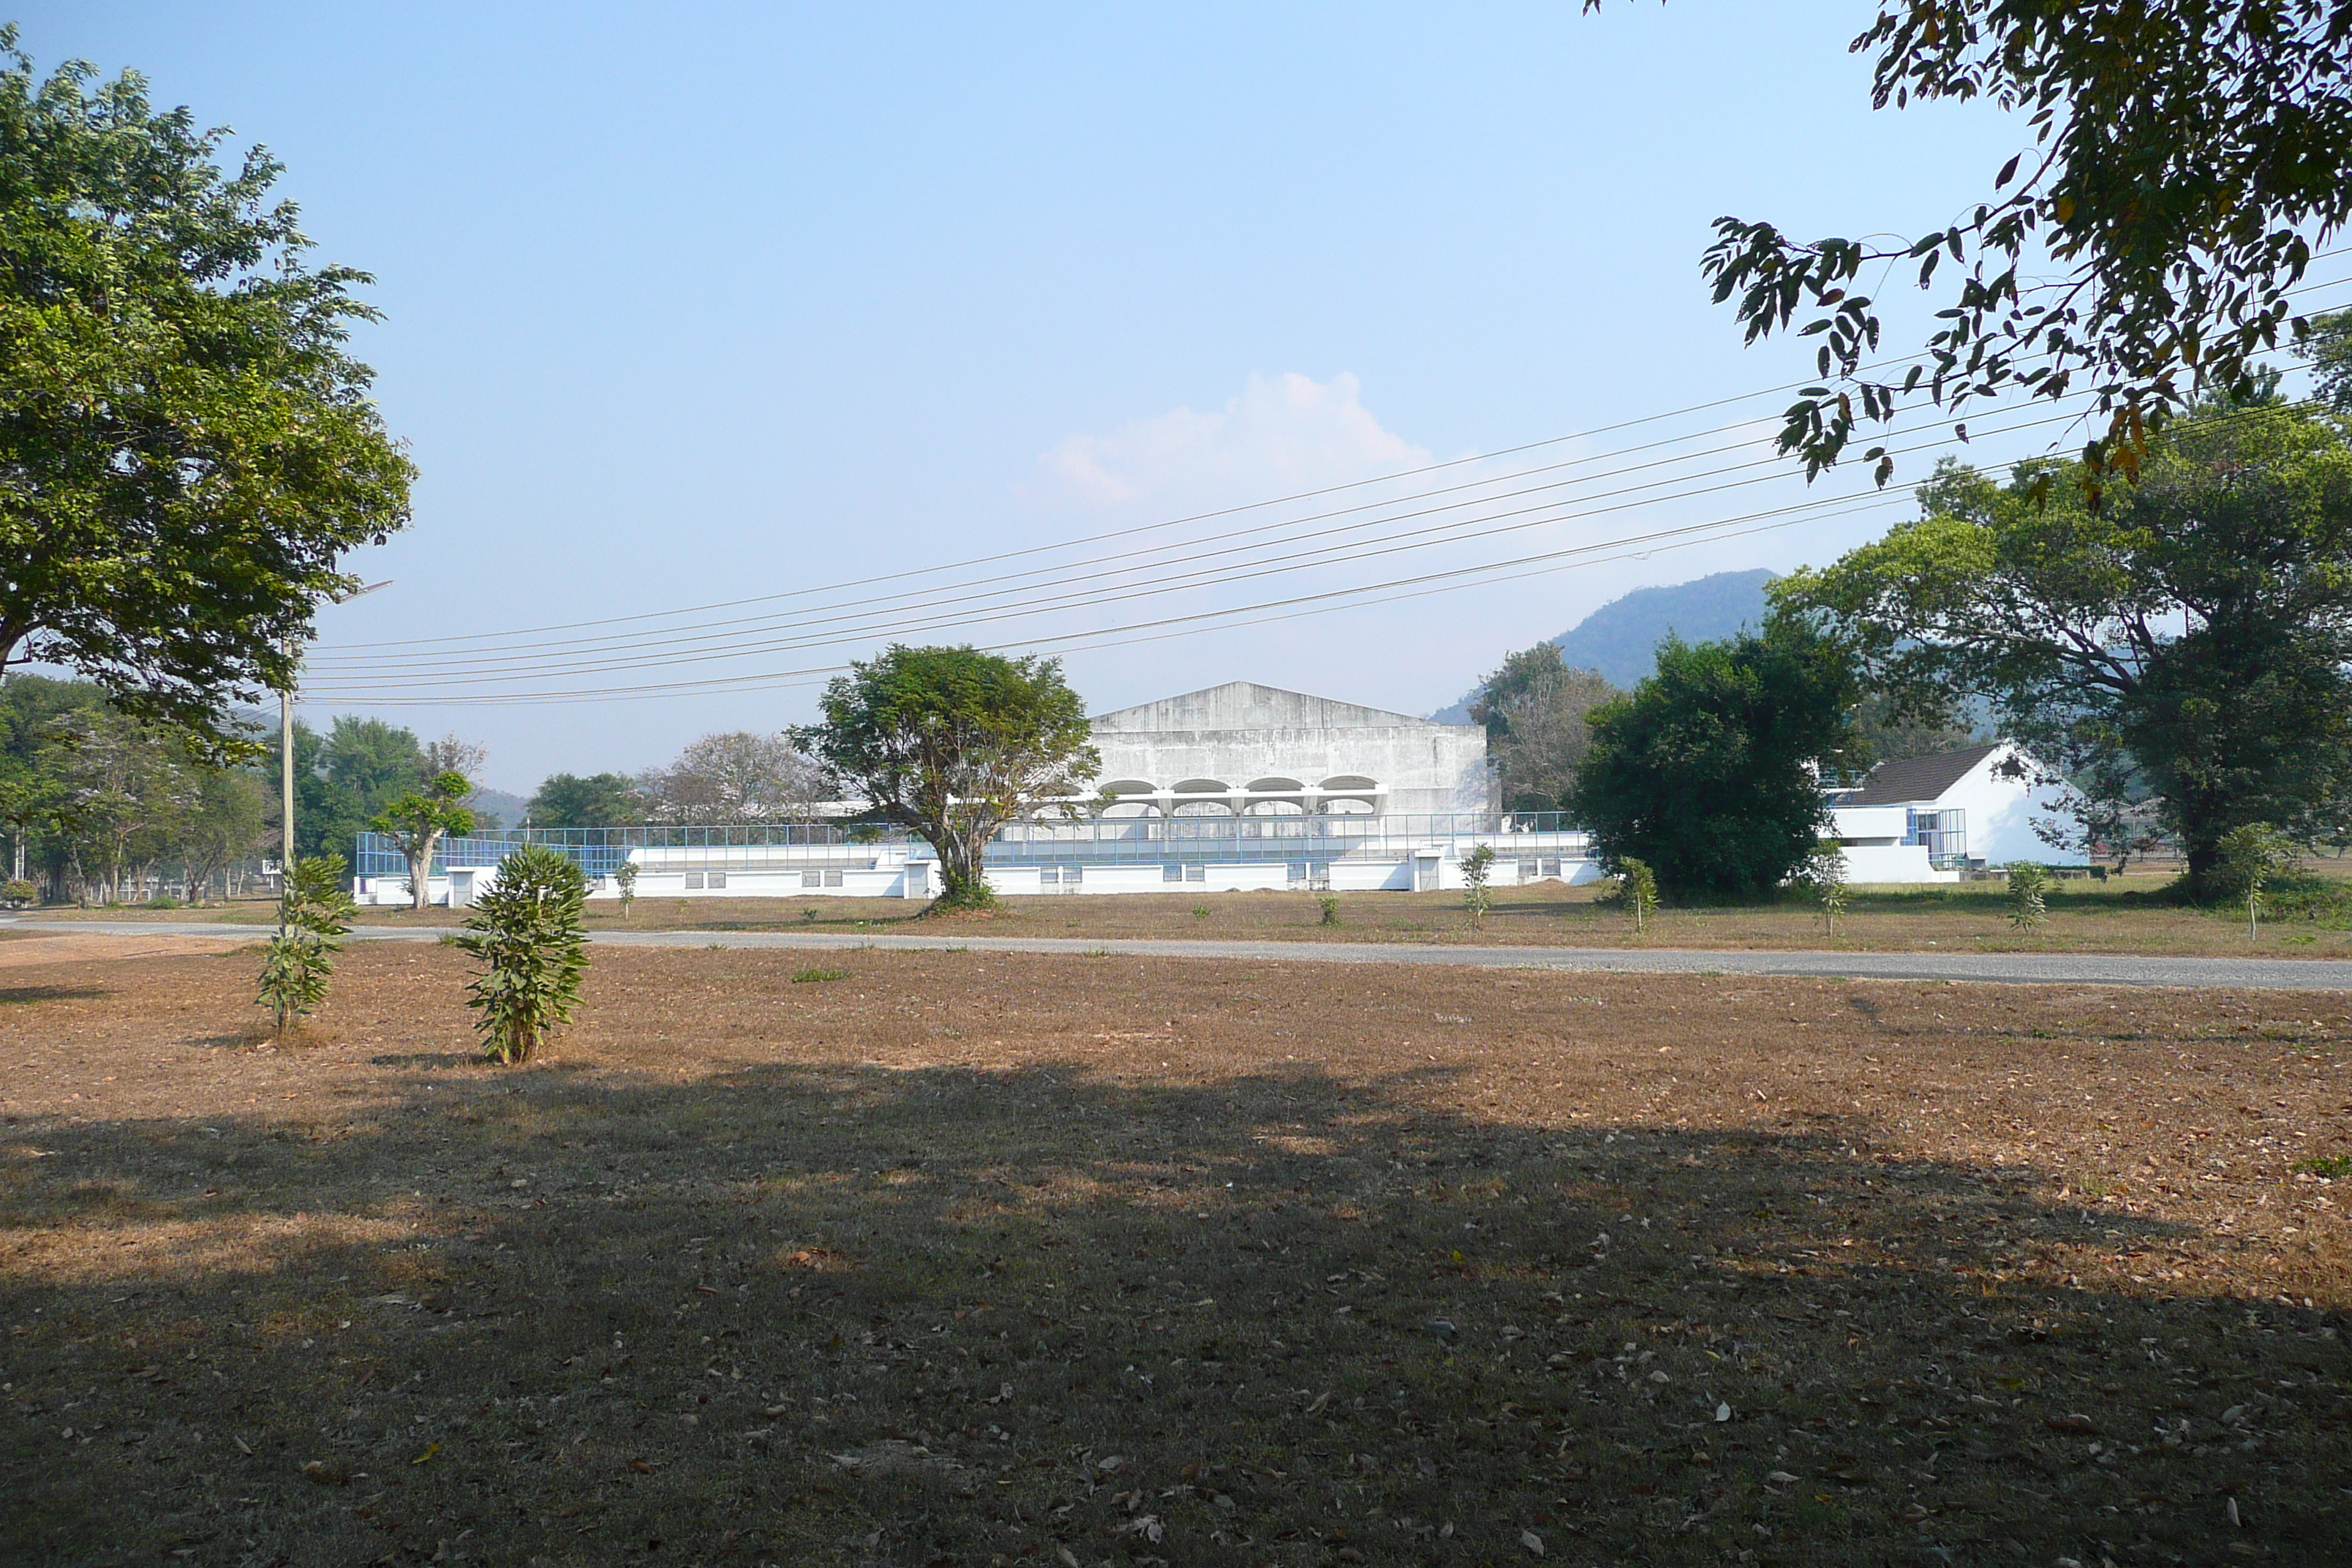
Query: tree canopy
[[2187, 643], [953, 743], [599, 800], [1535, 710], [2188, 159], [1709, 771], [735, 778], [186, 450]]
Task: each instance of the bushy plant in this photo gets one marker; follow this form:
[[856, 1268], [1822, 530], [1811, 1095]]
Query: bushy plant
[[314, 915], [1823, 876], [528, 930], [624, 877], [1476, 867], [2028, 884], [1634, 887], [1330, 911], [2252, 857], [16, 893]]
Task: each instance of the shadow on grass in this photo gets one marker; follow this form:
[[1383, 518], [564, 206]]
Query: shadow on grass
[[27, 994], [554, 1316]]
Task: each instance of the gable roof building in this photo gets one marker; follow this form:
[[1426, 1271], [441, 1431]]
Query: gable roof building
[[1243, 749], [1979, 805]]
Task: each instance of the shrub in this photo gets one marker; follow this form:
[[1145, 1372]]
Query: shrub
[[819, 976], [527, 931], [1635, 887], [17, 892], [165, 902], [624, 877], [1199, 911], [1330, 911], [2253, 855], [1476, 867], [1824, 873], [2027, 885], [314, 915]]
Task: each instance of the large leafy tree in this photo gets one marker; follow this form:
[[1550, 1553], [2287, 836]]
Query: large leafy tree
[[954, 743], [1535, 710], [600, 800], [186, 450], [2187, 158], [2185, 643], [1709, 771], [416, 821]]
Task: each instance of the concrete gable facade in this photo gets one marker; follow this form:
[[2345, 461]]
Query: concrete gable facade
[[1252, 750]]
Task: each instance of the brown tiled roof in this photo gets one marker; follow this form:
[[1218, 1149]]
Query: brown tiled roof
[[1915, 780]]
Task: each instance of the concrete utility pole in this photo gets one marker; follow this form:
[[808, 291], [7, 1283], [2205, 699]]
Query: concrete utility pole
[[286, 761]]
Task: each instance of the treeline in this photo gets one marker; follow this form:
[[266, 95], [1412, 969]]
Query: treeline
[[736, 779], [2174, 652], [103, 807]]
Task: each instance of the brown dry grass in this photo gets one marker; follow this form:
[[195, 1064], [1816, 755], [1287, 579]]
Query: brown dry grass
[[2121, 915], [967, 1259]]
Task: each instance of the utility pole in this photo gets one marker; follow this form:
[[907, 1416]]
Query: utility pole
[[285, 758]]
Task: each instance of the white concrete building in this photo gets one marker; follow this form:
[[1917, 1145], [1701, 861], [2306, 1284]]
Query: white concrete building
[[1246, 749], [1929, 819]]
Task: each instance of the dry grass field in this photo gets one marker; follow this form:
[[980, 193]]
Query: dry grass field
[[2123, 915], [962, 1258]]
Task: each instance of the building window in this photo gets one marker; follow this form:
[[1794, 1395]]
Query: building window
[[1551, 865], [1171, 872], [694, 882], [1049, 877], [812, 879], [1530, 869], [1196, 873], [717, 878], [832, 879]]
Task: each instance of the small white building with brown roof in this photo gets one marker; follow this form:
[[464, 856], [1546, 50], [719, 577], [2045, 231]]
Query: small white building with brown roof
[[1929, 819]]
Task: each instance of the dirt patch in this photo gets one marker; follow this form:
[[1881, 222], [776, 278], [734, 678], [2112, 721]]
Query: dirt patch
[[977, 1258], [93, 947]]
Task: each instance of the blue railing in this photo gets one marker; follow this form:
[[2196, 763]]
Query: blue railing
[[1103, 840]]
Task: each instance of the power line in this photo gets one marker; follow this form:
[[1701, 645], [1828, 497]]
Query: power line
[[967, 613], [410, 643]]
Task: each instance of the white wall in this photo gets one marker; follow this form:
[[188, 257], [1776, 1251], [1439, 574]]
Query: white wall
[[2000, 811]]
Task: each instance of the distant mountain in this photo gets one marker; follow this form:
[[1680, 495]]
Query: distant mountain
[[497, 808], [1620, 638]]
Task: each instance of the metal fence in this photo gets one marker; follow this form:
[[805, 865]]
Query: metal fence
[[1088, 840]]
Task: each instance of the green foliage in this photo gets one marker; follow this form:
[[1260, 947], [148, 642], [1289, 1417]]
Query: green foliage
[[2188, 154], [818, 977], [600, 800], [1824, 876], [528, 930], [624, 877], [2026, 903], [1705, 771], [1633, 888], [416, 821], [189, 449], [1477, 867], [952, 744], [17, 892], [2335, 1167], [2326, 341], [1536, 710], [2065, 618], [1330, 908], [314, 916], [2252, 855]]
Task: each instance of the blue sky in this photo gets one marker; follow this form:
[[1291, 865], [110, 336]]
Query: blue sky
[[693, 303]]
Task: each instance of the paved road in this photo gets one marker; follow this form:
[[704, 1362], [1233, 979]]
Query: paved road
[[2014, 968]]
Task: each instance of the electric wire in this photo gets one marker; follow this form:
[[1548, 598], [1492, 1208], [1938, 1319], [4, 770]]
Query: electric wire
[[1226, 512]]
